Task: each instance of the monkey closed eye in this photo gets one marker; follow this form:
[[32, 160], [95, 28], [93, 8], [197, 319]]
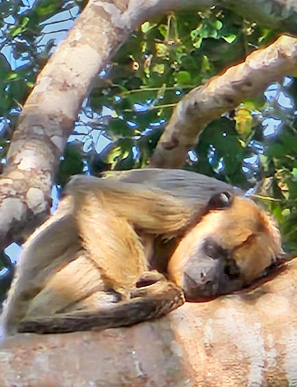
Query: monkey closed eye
[[213, 250]]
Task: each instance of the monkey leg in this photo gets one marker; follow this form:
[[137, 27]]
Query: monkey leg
[[151, 302], [54, 244], [70, 289], [75, 299]]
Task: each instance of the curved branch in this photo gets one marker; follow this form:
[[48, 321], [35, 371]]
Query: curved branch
[[220, 94], [236, 340]]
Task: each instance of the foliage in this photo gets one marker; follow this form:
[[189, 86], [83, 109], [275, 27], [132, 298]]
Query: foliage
[[162, 61]]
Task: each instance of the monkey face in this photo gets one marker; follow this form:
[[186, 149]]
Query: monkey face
[[232, 245], [210, 271]]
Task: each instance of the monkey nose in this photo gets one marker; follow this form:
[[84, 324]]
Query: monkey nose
[[199, 286]]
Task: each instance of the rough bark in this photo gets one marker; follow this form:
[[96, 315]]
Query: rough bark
[[48, 116], [220, 94], [246, 339]]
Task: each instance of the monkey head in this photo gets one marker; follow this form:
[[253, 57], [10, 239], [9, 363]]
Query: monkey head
[[232, 245]]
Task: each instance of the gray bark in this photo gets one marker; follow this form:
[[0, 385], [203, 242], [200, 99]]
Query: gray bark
[[244, 339]]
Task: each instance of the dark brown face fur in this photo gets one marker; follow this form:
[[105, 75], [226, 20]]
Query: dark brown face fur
[[228, 249]]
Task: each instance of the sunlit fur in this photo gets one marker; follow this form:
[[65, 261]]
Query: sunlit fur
[[89, 256]]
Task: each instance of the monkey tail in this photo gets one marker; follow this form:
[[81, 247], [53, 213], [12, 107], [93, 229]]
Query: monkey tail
[[148, 303]]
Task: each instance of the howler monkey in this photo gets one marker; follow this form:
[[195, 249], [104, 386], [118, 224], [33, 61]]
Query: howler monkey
[[91, 265]]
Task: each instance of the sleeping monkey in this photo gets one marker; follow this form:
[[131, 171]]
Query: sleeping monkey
[[133, 246]]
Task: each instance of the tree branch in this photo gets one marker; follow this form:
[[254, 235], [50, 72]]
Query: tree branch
[[220, 94], [235, 340]]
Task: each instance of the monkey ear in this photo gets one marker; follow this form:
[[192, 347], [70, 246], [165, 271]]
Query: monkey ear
[[220, 201]]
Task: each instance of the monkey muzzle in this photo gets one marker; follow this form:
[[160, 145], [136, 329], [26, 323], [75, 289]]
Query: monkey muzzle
[[201, 280], [210, 272]]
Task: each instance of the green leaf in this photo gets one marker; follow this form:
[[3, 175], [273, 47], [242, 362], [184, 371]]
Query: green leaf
[[183, 78]]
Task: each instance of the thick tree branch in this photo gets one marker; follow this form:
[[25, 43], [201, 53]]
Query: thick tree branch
[[237, 340], [220, 94]]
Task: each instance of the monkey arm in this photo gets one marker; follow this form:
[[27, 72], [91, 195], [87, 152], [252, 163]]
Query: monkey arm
[[193, 189], [167, 200], [150, 209]]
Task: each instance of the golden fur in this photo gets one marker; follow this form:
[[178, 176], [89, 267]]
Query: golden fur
[[89, 264]]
